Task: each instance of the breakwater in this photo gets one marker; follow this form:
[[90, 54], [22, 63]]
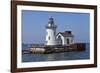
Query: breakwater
[[54, 49]]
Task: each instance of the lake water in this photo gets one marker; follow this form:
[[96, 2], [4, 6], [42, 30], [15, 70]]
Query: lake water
[[56, 56]]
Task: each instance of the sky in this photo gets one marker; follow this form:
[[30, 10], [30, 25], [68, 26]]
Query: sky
[[34, 22]]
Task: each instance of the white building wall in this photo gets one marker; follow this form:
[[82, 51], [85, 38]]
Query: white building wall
[[69, 38], [64, 40], [50, 37]]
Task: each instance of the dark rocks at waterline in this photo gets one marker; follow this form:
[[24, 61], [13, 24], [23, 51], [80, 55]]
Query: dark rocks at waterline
[[59, 50]]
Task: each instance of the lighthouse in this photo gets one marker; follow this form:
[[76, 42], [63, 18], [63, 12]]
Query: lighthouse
[[51, 33]]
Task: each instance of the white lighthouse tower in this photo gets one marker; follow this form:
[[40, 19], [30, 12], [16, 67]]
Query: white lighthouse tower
[[51, 33]]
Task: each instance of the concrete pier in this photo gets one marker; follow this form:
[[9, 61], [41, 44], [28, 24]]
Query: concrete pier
[[55, 49], [37, 50]]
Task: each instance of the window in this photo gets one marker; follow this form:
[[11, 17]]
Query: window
[[59, 37], [54, 33], [67, 41], [71, 40], [49, 37], [59, 40]]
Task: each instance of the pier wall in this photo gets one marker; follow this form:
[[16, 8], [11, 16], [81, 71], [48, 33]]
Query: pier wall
[[57, 48]]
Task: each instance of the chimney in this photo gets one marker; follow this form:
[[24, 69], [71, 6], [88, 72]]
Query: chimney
[[68, 32]]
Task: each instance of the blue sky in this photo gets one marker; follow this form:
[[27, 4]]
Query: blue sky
[[34, 22]]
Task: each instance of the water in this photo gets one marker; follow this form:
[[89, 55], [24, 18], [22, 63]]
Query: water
[[56, 56]]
